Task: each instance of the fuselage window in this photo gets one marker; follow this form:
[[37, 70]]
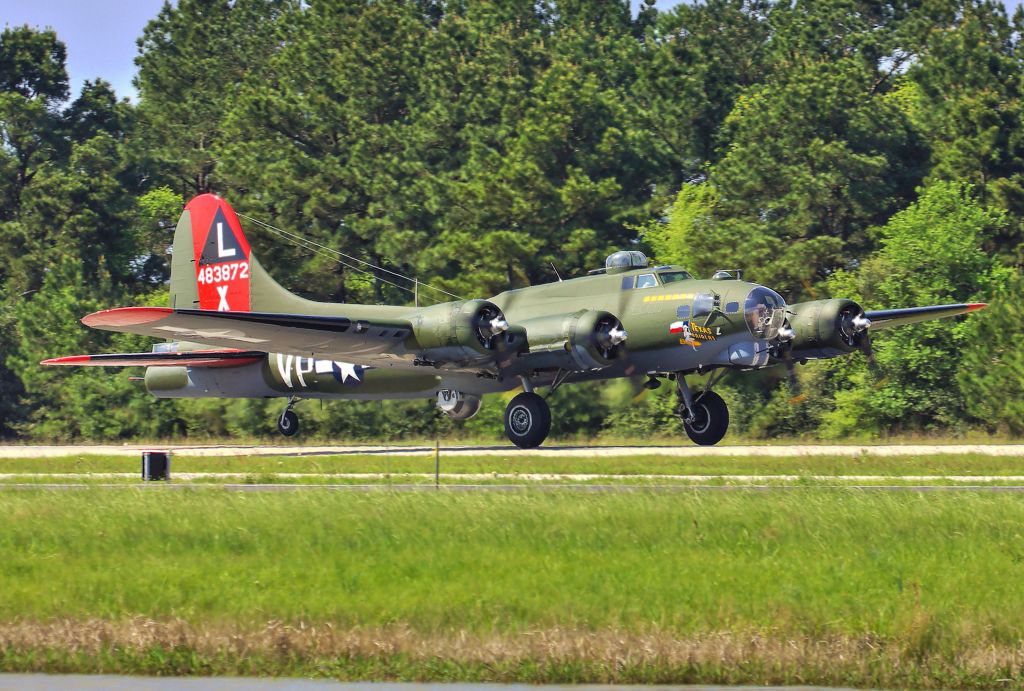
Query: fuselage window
[[683, 312], [646, 281], [627, 283], [674, 276], [703, 304], [732, 307]]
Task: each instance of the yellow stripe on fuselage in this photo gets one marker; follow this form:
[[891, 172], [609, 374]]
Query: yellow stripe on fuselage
[[668, 297]]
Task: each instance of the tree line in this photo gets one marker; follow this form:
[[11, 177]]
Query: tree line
[[854, 148]]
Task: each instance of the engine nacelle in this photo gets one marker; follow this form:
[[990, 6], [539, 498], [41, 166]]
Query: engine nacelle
[[459, 331], [575, 341], [824, 328]]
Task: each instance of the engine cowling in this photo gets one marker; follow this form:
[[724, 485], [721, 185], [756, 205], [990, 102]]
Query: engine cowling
[[825, 328], [463, 331], [575, 341]]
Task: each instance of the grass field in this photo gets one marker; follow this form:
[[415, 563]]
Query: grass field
[[839, 587]]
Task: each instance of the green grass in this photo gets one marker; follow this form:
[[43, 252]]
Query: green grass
[[523, 462], [845, 562], [901, 589], [928, 576]]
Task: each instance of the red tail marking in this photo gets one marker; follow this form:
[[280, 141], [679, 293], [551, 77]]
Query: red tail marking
[[976, 306], [221, 253]]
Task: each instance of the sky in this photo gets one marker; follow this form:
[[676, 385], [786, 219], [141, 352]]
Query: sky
[[100, 34]]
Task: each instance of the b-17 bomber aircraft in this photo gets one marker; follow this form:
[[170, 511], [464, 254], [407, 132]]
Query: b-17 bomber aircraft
[[232, 331]]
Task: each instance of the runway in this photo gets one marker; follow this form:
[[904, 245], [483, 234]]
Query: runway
[[373, 480], [507, 450]]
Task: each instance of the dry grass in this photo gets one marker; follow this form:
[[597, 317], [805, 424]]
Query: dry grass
[[551, 655]]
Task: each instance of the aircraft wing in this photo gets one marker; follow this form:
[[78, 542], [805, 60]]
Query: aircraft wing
[[361, 341], [883, 319], [191, 358]]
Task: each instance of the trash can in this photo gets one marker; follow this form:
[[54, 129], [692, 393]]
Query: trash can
[[156, 465]]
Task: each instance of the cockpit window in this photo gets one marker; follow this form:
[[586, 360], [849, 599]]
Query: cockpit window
[[646, 281], [674, 276]]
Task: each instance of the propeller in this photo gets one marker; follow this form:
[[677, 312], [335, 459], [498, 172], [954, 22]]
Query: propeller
[[609, 336], [780, 346], [490, 323], [794, 384], [855, 328], [853, 325], [796, 396]]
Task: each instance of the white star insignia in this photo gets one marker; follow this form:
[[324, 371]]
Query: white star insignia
[[347, 370]]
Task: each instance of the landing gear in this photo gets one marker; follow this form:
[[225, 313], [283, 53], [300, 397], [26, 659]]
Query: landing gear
[[288, 423], [527, 420], [705, 416]]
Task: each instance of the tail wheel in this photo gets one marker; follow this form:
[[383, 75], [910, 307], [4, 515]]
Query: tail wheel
[[288, 423], [710, 419], [527, 420]]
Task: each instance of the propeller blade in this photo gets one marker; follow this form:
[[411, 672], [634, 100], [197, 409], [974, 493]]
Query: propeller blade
[[795, 395], [869, 356], [794, 385]]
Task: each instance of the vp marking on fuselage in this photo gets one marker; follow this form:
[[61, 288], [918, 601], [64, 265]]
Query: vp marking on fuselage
[[287, 365]]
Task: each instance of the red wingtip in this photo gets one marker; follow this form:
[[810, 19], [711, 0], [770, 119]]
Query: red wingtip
[[976, 306], [126, 316], [66, 360]]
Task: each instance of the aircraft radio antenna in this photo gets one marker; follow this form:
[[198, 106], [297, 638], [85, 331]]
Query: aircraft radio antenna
[[339, 257]]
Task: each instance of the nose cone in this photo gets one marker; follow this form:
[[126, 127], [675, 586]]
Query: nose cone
[[764, 311]]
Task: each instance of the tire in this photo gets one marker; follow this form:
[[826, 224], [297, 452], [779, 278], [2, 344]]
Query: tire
[[288, 423], [527, 420], [711, 419]]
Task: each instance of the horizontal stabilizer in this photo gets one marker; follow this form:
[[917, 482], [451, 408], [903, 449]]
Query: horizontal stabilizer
[[883, 319], [361, 341], [191, 358]]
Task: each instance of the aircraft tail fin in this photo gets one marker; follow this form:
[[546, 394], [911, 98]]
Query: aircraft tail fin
[[213, 266], [210, 262]]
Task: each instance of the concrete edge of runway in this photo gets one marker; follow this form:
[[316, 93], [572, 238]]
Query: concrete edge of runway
[[565, 451]]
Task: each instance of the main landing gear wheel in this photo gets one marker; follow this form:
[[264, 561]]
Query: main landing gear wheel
[[710, 419], [288, 423], [527, 420]]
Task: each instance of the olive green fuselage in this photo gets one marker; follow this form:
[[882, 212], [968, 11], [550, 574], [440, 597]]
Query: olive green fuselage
[[680, 326]]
